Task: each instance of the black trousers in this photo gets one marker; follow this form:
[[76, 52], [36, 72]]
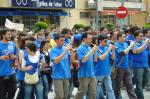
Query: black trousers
[[21, 90], [124, 74], [8, 87]]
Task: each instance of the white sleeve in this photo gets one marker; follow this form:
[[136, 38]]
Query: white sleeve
[[23, 62], [42, 60], [21, 55]]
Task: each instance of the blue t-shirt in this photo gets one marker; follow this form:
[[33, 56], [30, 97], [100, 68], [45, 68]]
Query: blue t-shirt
[[140, 59], [38, 44], [67, 41], [35, 66], [61, 70], [6, 68], [102, 67], [130, 38], [85, 69], [120, 48]]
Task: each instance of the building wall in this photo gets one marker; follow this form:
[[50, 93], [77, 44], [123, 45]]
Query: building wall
[[142, 18], [5, 3], [138, 19], [147, 4], [81, 6], [74, 15]]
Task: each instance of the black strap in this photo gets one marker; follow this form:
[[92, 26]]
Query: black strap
[[121, 60]]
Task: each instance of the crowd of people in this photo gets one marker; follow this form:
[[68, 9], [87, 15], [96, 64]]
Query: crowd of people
[[97, 62]]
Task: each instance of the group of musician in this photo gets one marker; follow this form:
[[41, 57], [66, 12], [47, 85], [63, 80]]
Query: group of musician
[[98, 62]]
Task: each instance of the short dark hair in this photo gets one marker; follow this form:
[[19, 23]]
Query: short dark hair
[[46, 34], [3, 32], [120, 34], [126, 31], [86, 28], [84, 35], [32, 47], [65, 30], [133, 29], [101, 37], [58, 36], [145, 31], [136, 33]]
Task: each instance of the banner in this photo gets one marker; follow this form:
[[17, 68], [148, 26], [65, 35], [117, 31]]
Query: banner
[[15, 26], [9, 24]]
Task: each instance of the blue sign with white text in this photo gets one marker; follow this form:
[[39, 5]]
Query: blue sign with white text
[[44, 3]]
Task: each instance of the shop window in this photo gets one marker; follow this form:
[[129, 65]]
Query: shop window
[[54, 21], [29, 21], [84, 15], [41, 19], [17, 21]]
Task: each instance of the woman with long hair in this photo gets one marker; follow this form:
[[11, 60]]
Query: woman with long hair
[[46, 70], [31, 64]]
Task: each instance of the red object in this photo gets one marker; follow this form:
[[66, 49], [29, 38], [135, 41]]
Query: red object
[[121, 12]]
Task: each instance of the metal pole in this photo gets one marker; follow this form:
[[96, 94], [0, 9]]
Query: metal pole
[[122, 3], [97, 16]]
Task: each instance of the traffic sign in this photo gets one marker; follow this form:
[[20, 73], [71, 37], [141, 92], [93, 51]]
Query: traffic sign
[[121, 12]]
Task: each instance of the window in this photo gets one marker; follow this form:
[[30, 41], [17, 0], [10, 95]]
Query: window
[[55, 20], [17, 21], [29, 21], [41, 19], [84, 15]]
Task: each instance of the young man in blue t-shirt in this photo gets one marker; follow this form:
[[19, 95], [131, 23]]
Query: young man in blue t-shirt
[[102, 68], [8, 52], [61, 57], [122, 65], [86, 73], [140, 63]]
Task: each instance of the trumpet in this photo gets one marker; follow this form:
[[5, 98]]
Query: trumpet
[[97, 49], [114, 45], [73, 49]]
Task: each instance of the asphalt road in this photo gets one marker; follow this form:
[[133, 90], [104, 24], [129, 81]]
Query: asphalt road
[[124, 94]]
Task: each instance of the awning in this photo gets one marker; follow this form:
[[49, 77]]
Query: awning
[[32, 13], [8, 13]]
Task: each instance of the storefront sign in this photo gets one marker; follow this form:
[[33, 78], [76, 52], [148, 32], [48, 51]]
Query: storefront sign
[[44, 3]]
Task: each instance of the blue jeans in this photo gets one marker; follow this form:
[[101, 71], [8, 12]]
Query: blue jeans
[[45, 87], [38, 89], [141, 76], [108, 86]]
